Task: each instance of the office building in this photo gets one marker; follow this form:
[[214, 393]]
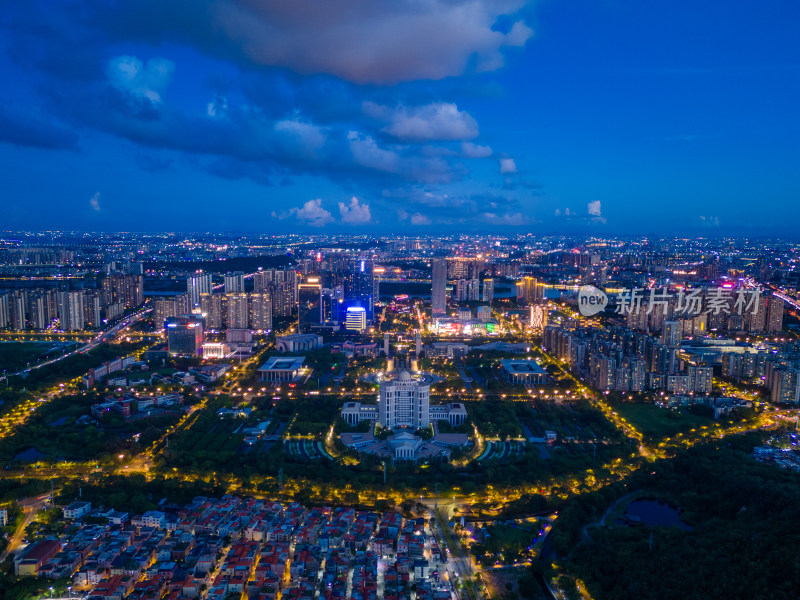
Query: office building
[[309, 312], [184, 335], [404, 401], [358, 285], [438, 287], [332, 302], [356, 319]]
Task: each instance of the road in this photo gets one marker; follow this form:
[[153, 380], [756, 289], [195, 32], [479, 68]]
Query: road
[[98, 339], [30, 507]]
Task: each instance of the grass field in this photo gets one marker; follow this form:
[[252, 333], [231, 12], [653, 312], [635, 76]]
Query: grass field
[[16, 355], [657, 423]]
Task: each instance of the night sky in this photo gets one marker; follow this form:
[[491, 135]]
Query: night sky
[[429, 116]]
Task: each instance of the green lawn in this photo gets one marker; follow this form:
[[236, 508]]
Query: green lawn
[[16, 355], [656, 423]]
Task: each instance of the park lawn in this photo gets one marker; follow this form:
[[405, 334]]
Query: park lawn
[[657, 423], [16, 355]]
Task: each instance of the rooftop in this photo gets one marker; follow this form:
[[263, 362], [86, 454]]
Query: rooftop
[[283, 363]]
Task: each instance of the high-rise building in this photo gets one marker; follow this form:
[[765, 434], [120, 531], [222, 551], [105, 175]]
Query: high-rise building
[[238, 311], [404, 401], [162, 309], [5, 311], [529, 291], [785, 386], [283, 294], [474, 290], [212, 309], [462, 290], [127, 290], [183, 304], [197, 284], [260, 311], [234, 282], [488, 290], [185, 335], [359, 285], [71, 311], [92, 310], [775, 309], [309, 312], [671, 334], [356, 319], [538, 317], [332, 301], [438, 287], [19, 310], [756, 321]]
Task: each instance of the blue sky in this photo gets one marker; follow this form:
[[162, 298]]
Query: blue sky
[[397, 116]]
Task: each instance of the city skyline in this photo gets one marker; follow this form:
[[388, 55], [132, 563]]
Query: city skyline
[[439, 117]]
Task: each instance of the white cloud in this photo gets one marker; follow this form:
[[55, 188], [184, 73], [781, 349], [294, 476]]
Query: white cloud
[[368, 41], [419, 219], [367, 153], [355, 213], [218, 107], [511, 219], [595, 212], [519, 34], [471, 150], [508, 165], [708, 221], [94, 202], [437, 121], [402, 214], [312, 213], [298, 138], [143, 80]]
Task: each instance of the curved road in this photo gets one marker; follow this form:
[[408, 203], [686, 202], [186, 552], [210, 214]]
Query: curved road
[[98, 339]]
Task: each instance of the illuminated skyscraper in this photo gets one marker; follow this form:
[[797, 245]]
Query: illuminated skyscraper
[[197, 284], [234, 282], [488, 290], [438, 287], [671, 334], [237, 312], [775, 308], [529, 291], [260, 311], [356, 319], [309, 310], [211, 307], [164, 308]]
